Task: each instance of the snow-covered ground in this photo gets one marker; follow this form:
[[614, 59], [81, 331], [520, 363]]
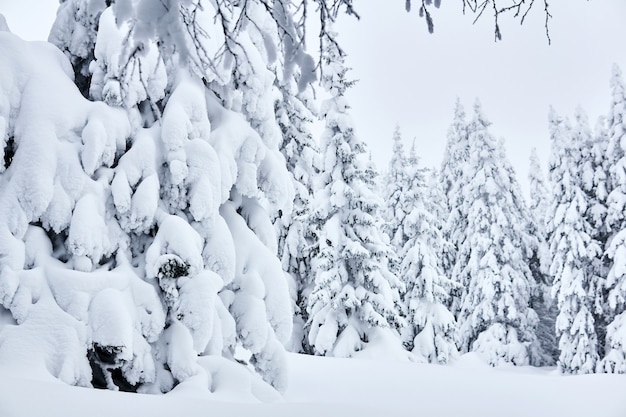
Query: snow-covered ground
[[344, 387]]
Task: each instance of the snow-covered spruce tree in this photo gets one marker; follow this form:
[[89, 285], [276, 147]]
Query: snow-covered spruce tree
[[594, 173], [431, 330], [541, 300], [295, 234], [395, 181], [453, 180], [495, 319], [354, 293], [539, 193], [573, 251], [157, 211], [615, 347], [436, 205], [54, 225]]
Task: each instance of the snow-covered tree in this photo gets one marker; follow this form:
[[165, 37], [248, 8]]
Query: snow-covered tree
[[354, 293], [431, 330], [295, 234], [594, 172], [572, 249], [538, 190], [615, 346], [396, 183], [152, 205], [53, 227], [495, 318], [539, 263], [453, 180], [455, 158]]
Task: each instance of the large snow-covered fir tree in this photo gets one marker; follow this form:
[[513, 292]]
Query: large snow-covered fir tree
[[354, 293], [572, 248], [152, 204], [615, 347], [495, 319]]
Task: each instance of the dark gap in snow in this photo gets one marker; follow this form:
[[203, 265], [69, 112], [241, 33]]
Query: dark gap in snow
[[103, 360], [82, 76], [109, 261], [59, 251], [148, 117], [9, 152], [106, 354]]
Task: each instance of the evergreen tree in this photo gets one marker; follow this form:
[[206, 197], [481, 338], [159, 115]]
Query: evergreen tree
[[393, 192], [538, 190], [573, 250], [436, 205], [155, 202], [539, 264], [453, 180], [295, 234], [431, 331], [615, 347], [594, 172], [354, 292], [495, 318]]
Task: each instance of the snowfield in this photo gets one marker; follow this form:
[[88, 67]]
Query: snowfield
[[320, 386]]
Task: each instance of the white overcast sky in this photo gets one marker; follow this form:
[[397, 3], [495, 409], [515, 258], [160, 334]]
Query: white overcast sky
[[411, 78]]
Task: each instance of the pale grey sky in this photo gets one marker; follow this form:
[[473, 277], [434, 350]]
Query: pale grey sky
[[409, 77]]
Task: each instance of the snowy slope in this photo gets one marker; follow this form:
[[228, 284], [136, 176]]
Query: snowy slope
[[346, 387]]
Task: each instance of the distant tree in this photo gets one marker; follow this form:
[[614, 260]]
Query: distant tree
[[394, 192], [354, 292], [431, 330], [454, 179], [495, 318], [573, 250], [436, 204], [541, 300], [594, 173], [539, 193], [615, 347]]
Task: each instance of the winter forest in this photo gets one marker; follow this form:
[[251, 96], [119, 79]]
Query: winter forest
[[172, 222]]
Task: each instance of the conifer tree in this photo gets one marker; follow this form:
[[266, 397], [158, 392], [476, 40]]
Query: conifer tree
[[615, 285], [394, 191], [573, 250], [594, 172], [453, 180], [538, 190], [160, 216], [541, 300], [431, 330], [495, 318], [354, 292], [295, 233]]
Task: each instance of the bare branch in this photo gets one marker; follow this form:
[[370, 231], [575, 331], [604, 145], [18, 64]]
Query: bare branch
[[519, 10]]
